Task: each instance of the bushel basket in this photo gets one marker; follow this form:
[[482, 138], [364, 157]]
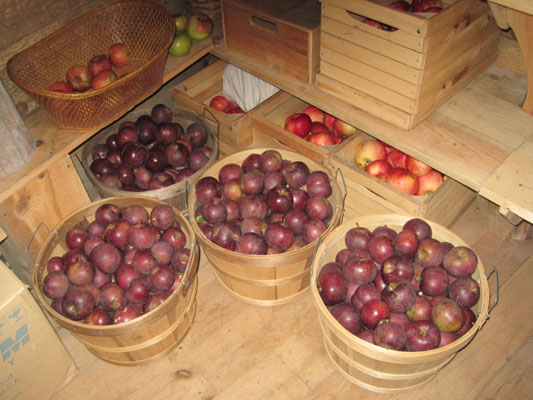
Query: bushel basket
[[146, 28]]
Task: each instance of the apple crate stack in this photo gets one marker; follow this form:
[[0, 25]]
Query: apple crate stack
[[370, 194], [399, 65]]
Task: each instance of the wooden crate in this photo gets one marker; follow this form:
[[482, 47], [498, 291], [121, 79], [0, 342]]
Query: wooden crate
[[268, 121], [284, 36], [444, 206], [402, 76], [196, 92]]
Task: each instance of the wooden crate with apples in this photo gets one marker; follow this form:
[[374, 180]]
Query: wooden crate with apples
[[398, 65], [195, 93], [282, 35], [369, 193], [268, 122]]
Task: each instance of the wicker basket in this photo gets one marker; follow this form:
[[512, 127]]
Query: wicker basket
[[146, 28]]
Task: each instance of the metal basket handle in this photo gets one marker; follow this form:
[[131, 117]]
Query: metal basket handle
[[215, 120], [27, 248], [339, 172]]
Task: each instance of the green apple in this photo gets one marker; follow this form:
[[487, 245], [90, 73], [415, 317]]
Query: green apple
[[181, 22], [181, 45]]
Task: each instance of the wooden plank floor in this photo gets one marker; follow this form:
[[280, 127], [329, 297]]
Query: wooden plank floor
[[239, 351]]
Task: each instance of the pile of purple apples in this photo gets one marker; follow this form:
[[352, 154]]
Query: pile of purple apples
[[151, 152], [264, 205], [122, 265], [401, 290]]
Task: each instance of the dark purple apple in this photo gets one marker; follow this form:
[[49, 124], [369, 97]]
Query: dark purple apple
[[175, 237], [138, 290], [125, 274], [399, 296], [420, 310], [180, 259], [162, 277], [318, 184], [429, 252], [347, 315], [420, 227], [406, 242], [319, 207], [197, 134], [98, 317], [106, 257], [279, 236], [253, 206], [225, 234], [433, 281], [117, 233], [125, 314], [460, 261], [279, 199], [374, 311], [161, 113], [253, 182], [470, 320], [422, 336], [251, 162], [357, 238], [270, 160], [299, 198], [76, 237], [296, 220], [251, 243], [80, 273], [390, 335], [464, 291], [313, 230], [56, 285], [332, 287], [296, 174], [359, 270], [142, 236], [207, 188], [381, 248], [78, 303], [397, 267], [143, 261]]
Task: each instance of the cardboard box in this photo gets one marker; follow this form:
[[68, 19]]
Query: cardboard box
[[34, 362], [403, 74]]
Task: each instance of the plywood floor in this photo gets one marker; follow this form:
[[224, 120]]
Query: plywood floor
[[240, 351]]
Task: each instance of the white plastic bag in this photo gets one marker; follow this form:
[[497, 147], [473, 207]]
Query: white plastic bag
[[244, 88]]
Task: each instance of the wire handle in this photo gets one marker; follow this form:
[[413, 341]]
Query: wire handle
[[27, 248], [185, 282], [206, 110], [318, 243], [494, 273], [339, 172]]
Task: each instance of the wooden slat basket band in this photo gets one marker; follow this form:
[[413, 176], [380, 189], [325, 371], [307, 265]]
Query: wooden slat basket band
[[146, 28], [147, 337], [174, 194], [264, 280], [405, 73], [376, 368]]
